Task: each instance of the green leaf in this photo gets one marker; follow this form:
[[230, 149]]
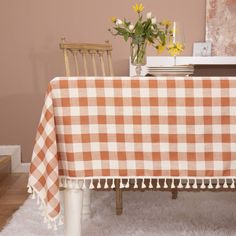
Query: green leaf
[[126, 37], [121, 31], [139, 29]]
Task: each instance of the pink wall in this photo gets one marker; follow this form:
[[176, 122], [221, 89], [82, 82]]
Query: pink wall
[[30, 56]]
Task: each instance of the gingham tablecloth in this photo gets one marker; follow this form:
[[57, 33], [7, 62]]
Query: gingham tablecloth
[[133, 128]]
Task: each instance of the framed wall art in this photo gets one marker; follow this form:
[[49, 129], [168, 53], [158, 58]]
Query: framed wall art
[[202, 49], [221, 26]]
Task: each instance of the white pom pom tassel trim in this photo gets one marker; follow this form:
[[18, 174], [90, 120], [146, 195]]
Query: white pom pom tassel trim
[[124, 182]]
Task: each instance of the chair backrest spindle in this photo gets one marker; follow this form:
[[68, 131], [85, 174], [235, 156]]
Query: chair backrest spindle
[[100, 53], [93, 53], [75, 55], [84, 53], [110, 67]]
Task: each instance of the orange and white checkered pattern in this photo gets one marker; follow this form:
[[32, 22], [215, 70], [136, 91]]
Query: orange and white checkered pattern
[[133, 127]]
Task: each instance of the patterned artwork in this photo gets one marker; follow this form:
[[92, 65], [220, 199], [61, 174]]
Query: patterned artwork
[[221, 26]]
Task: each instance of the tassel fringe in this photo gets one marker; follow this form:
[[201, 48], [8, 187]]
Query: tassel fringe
[[210, 186], [51, 223], [217, 184], [127, 184], [91, 184], [203, 184], [174, 182], [150, 184], [232, 184], [187, 184], [106, 184], [225, 184], [180, 185], [194, 184], [143, 184], [109, 183], [113, 184], [165, 184]]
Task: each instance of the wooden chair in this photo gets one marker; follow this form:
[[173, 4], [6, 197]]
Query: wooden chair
[[82, 58], [85, 58]]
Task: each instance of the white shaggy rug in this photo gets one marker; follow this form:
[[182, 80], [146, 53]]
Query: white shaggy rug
[[145, 213]]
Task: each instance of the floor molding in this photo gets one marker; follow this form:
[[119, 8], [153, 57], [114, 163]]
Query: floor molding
[[15, 152]]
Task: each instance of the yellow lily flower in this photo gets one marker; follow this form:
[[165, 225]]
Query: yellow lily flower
[[160, 48], [175, 49], [179, 47], [138, 7], [166, 23], [113, 19]]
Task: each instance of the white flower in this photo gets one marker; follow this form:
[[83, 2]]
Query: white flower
[[154, 20], [149, 15], [131, 27], [119, 22]]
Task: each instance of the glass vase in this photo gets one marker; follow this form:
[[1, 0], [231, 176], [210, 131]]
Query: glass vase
[[138, 55]]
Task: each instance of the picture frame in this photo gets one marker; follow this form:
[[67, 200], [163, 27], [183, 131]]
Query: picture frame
[[202, 49]]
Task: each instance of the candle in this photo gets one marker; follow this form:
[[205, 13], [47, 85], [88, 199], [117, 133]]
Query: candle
[[174, 32]]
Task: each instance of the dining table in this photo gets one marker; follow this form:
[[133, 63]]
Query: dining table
[[158, 132]]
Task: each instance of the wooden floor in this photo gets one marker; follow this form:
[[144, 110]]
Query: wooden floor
[[13, 193]]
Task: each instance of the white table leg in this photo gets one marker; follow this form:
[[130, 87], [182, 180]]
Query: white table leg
[[73, 208], [86, 212]]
